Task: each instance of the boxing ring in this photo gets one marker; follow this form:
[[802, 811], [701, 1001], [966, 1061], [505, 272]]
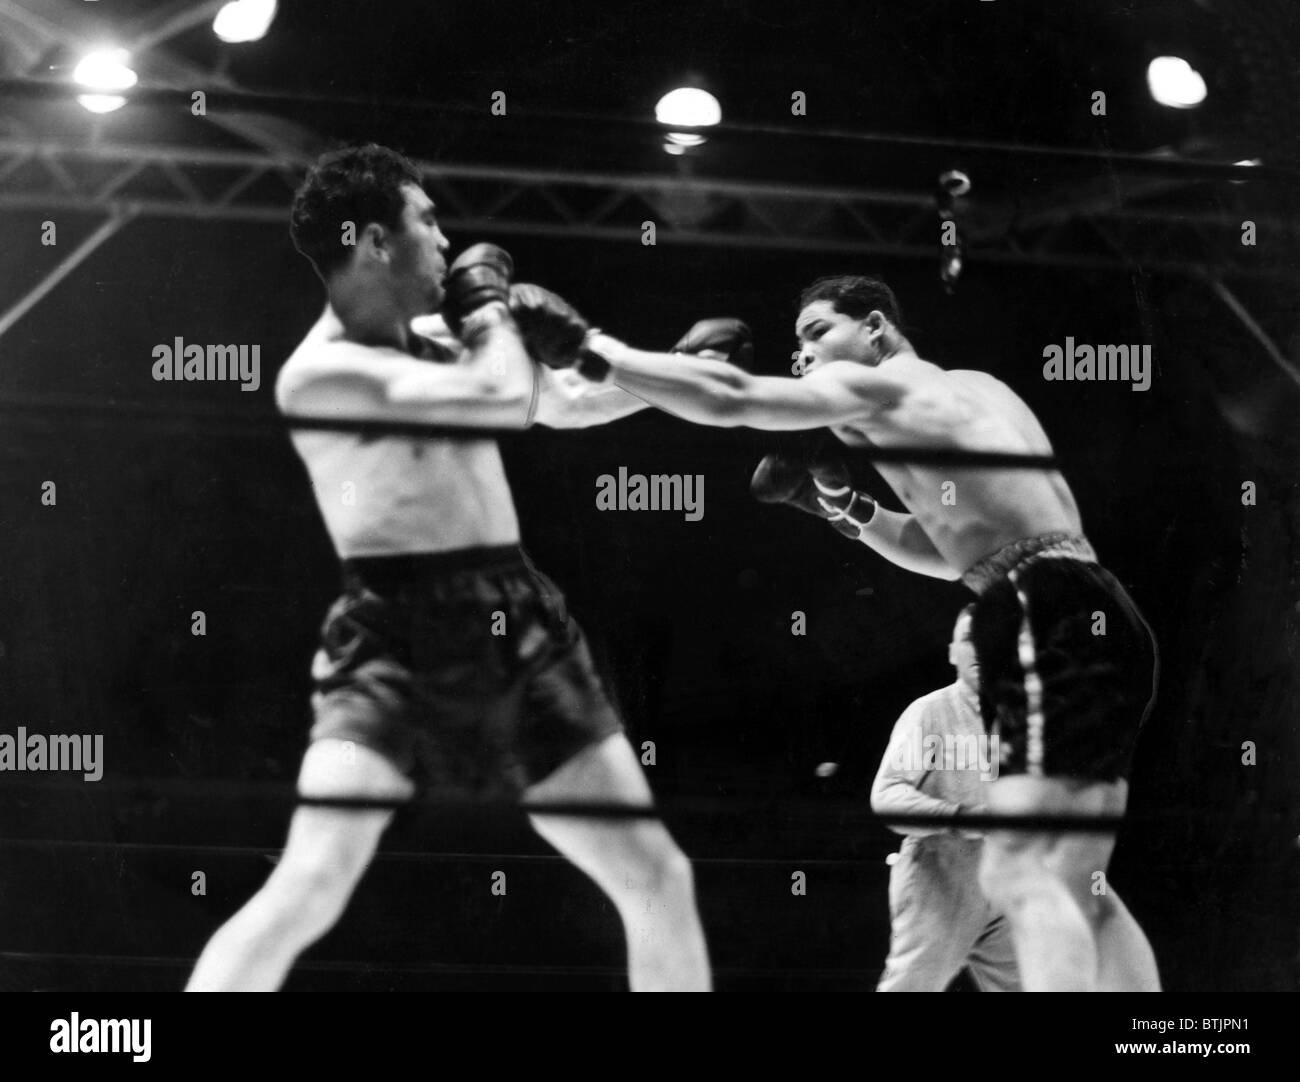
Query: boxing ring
[[114, 885]]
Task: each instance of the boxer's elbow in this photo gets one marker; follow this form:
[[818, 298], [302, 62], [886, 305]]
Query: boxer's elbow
[[937, 568]]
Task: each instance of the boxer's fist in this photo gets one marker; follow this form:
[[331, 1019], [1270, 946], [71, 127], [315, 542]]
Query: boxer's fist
[[552, 330], [830, 475], [821, 487], [782, 479], [480, 276], [730, 337]]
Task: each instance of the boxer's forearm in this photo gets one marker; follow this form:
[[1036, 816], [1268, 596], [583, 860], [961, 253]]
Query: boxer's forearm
[[599, 406], [567, 400], [496, 353], [898, 537], [693, 388], [604, 404]]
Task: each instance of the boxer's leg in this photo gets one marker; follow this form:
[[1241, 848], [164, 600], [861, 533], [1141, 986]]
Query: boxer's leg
[[992, 960], [634, 861], [1044, 881], [327, 852], [1126, 962]]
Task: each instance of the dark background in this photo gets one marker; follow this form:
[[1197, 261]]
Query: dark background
[[691, 621]]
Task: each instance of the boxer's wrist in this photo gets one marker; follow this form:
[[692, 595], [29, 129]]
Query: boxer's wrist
[[848, 510], [860, 503], [610, 349], [592, 365]]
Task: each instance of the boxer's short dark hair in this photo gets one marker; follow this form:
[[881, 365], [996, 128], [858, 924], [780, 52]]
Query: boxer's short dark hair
[[358, 184], [856, 295]]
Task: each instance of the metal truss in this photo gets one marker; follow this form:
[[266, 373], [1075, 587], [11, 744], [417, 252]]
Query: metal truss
[[1079, 231]]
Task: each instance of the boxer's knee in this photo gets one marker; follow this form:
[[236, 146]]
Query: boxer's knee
[[1100, 909]]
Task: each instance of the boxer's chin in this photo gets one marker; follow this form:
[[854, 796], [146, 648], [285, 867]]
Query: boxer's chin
[[435, 297]]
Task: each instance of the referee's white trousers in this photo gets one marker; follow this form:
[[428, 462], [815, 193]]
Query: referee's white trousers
[[941, 922]]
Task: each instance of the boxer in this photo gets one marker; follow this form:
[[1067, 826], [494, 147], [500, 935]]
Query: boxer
[[1066, 704], [415, 685]]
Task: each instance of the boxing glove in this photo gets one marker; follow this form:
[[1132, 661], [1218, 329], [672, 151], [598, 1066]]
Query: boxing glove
[[550, 326], [479, 277], [554, 332], [730, 337], [820, 487]]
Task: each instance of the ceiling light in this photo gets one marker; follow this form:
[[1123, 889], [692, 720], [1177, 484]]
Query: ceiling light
[[1175, 83], [105, 69], [244, 20], [688, 106]]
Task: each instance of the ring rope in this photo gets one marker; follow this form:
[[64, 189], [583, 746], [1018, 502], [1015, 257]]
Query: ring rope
[[25, 411]]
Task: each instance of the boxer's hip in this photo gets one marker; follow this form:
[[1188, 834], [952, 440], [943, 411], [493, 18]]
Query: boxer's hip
[[1011, 557], [1068, 666]]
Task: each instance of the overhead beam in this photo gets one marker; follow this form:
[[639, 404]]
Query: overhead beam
[[207, 183], [62, 269]]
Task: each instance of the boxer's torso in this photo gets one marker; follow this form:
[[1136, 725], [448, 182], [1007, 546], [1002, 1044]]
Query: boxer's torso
[[392, 495], [968, 512]]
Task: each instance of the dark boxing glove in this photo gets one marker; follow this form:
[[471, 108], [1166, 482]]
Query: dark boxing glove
[[554, 332], [730, 337], [821, 487], [480, 276], [550, 326]]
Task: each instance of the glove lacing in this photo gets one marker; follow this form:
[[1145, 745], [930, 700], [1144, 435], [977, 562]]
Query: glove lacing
[[845, 514]]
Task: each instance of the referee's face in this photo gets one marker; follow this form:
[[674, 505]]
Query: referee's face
[[962, 653]]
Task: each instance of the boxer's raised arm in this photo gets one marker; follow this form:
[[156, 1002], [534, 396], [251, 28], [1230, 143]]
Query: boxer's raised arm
[[494, 388]]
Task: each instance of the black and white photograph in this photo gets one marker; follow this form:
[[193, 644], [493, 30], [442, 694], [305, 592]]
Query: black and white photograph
[[755, 497]]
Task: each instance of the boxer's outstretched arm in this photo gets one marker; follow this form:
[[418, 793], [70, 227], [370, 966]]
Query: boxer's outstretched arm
[[899, 538], [716, 393], [567, 400]]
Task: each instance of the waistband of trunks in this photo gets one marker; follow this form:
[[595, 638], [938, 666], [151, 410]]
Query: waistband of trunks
[[383, 573], [997, 565]]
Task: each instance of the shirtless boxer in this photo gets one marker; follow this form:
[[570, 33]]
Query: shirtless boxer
[[1066, 703], [415, 682]]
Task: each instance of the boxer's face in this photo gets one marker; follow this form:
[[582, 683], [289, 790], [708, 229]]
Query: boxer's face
[[826, 335], [962, 653], [419, 250]]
